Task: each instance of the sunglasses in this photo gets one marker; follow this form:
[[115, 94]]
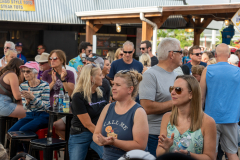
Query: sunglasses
[[39, 48], [93, 66], [120, 54], [197, 54], [129, 52], [177, 51], [53, 58], [178, 90], [6, 47], [142, 48], [89, 51], [125, 72], [42, 63], [26, 71]]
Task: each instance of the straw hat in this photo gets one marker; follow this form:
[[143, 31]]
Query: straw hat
[[42, 58]]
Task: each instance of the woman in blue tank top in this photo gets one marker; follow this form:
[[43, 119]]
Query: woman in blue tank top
[[122, 125], [187, 120]]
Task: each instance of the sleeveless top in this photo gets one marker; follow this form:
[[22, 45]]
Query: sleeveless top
[[222, 96], [196, 145], [6, 86], [119, 127]]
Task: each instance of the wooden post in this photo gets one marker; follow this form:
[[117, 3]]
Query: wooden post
[[91, 30], [196, 37], [147, 31]]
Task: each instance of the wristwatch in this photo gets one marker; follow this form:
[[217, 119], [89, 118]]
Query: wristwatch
[[188, 153]]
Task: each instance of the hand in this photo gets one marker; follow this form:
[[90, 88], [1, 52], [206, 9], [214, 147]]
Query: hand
[[54, 78], [181, 151], [63, 74], [79, 68], [165, 142], [105, 140], [28, 94]]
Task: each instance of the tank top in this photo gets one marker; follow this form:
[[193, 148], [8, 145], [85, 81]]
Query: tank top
[[196, 145], [119, 127], [223, 92], [6, 86]]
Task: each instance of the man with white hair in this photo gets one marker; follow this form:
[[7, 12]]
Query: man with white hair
[[233, 60], [220, 94], [154, 92], [7, 45], [127, 62]]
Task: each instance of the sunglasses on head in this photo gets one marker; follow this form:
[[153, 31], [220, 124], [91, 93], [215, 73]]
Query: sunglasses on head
[[53, 58], [125, 72], [129, 52], [93, 66], [26, 71], [142, 48], [197, 54]]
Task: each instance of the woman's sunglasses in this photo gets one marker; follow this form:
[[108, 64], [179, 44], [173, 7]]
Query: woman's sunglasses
[[26, 71], [178, 90], [53, 58], [125, 72]]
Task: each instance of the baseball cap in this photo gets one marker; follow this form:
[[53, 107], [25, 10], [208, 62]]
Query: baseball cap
[[233, 59], [31, 64], [137, 153], [97, 60], [42, 58], [233, 50], [19, 44]]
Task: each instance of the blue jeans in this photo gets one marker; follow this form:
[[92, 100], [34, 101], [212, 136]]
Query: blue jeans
[[152, 144], [78, 146], [32, 122]]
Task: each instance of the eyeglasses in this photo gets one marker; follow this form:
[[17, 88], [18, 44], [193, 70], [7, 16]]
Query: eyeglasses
[[53, 58], [120, 54], [129, 52], [197, 54], [89, 51], [39, 48], [125, 72], [177, 51], [42, 63], [26, 71], [178, 90], [142, 48], [6, 47]]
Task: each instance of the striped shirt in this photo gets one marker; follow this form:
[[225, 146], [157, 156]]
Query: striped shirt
[[41, 94]]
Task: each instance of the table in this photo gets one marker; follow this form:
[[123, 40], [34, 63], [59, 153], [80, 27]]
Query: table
[[69, 116]]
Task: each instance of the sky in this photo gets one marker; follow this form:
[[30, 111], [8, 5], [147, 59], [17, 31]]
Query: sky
[[210, 1]]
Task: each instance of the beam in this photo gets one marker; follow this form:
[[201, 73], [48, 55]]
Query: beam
[[204, 24], [121, 16], [97, 27], [160, 20], [114, 21], [147, 31], [89, 31], [196, 37]]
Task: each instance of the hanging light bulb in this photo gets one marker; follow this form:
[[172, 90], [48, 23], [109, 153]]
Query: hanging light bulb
[[13, 36], [189, 29], [226, 22], [18, 35], [118, 28]]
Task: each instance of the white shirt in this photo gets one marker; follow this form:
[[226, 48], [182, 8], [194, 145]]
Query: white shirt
[[74, 72]]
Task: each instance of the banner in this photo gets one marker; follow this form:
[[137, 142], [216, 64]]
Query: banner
[[17, 5], [236, 20]]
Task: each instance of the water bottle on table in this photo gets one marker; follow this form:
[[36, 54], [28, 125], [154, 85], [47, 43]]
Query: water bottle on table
[[183, 143], [60, 100], [66, 103]]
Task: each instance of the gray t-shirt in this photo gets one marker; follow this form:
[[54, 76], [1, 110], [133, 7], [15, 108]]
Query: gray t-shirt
[[155, 87]]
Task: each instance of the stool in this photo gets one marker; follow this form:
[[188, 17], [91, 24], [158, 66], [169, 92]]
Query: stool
[[47, 145], [15, 136], [5, 124], [42, 134]]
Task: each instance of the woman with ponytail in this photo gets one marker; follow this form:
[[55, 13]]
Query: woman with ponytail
[[122, 125]]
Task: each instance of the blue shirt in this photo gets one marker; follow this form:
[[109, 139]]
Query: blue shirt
[[22, 57], [121, 65], [223, 92], [190, 65], [75, 62]]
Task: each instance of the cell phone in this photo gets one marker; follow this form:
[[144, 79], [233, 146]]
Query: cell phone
[[84, 56]]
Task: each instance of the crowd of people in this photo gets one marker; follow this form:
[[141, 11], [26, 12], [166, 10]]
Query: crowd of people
[[124, 108]]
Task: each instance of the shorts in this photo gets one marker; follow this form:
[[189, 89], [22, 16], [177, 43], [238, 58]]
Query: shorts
[[6, 105], [228, 135], [64, 119]]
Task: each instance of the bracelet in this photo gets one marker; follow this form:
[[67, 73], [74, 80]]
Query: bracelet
[[188, 154]]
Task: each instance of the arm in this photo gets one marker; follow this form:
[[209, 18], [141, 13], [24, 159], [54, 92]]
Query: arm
[[45, 77], [14, 83], [209, 140], [86, 121], [99, 125], [203, 86], [45, 96], [69, 87], [70, 81], [163, 131], [140, 133], [152, 107], [147, 95]]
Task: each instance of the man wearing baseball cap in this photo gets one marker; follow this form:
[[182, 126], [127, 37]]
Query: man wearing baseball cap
[[18, 47], [233, 50], [43, 63]]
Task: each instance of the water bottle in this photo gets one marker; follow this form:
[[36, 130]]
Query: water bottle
[[183, 144], [66, 103], [60, 100], [55, 103]]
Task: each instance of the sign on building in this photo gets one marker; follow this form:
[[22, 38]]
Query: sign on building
[[17, 5], [236, 20]]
